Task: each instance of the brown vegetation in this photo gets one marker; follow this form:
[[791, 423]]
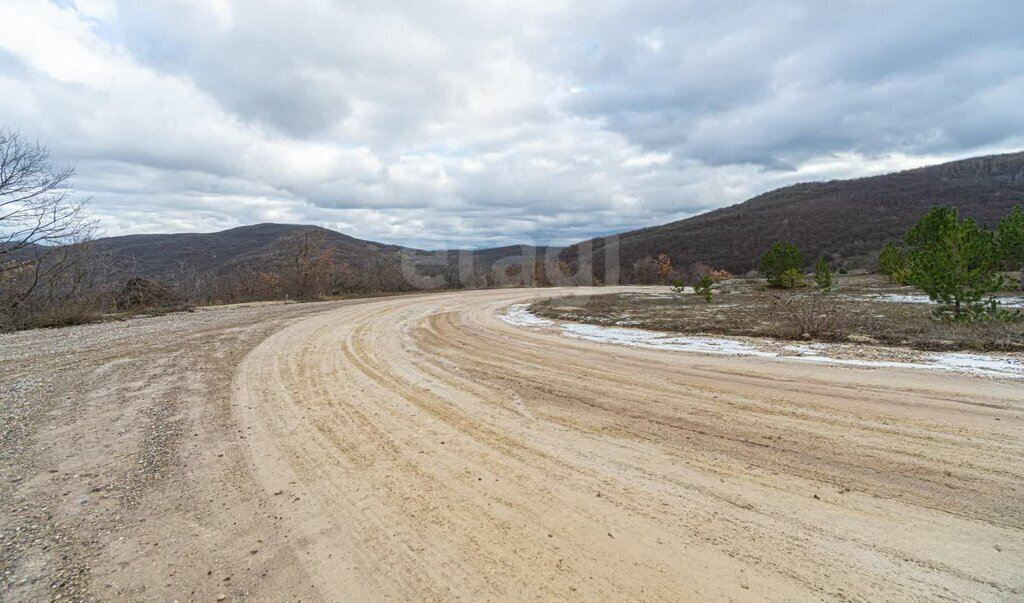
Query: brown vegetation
[[852, 312]]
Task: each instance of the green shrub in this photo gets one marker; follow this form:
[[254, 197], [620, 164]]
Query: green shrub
[[793, 279], [703, 287], [678, 285], [779, 259]]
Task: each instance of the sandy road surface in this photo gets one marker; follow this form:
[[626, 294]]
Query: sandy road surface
[[420, 448]]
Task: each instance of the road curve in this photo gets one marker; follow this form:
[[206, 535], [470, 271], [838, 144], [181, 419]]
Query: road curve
[[419, 447]]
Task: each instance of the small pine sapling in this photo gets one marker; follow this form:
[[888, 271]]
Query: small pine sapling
[[822, 276], [793, 279], [703, 287]]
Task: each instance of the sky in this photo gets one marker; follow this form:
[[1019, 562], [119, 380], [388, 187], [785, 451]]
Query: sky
[[491, 122]]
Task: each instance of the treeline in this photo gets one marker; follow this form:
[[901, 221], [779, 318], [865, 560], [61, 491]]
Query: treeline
[[651, 270], [304, 268]]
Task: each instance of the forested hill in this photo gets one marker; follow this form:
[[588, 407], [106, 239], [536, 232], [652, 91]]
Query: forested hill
[[259, 245], [847, 221]]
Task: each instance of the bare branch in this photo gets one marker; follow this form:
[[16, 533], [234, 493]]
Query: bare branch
[[36, 208]]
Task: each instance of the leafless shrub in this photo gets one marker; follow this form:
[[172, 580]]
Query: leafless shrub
[[142, 293], [808, 315], [644, 271]]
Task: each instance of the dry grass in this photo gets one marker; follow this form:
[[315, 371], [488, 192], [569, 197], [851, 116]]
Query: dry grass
[[748, 308]]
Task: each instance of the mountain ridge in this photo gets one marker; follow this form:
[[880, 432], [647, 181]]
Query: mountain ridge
[[845, 221]]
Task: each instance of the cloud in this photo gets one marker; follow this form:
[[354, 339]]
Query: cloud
[[493, 122]]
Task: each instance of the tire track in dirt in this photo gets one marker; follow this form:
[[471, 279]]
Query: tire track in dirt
[[420, 448]]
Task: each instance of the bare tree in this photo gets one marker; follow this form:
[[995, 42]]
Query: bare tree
[[36, 206], [310, 265], [43, 229]]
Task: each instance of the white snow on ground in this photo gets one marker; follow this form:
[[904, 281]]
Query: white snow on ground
[[953, 361], [653, 339], [520, 316], [956, 361], [824, 353], [990, 364], [1006, 302]]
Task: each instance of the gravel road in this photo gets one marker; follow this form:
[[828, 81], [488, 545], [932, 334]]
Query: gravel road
[[419, 448]]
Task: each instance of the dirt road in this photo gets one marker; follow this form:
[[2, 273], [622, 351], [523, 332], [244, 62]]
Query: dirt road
[[420, 448]]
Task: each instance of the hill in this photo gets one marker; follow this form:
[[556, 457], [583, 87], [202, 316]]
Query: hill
[[847, 221], [160, 255], [265, 246]]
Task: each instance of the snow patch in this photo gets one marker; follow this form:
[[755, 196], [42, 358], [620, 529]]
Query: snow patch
[[654, 339], [824, 353], [958, 362], [898, 298], [519, 315], [979, 363]]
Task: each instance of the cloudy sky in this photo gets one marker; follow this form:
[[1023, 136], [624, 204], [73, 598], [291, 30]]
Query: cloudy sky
[[487, 122]]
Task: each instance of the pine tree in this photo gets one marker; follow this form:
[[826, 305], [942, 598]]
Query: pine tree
[[792, 279], [780, 258], [703, 287], [1010, 237], [953, 261], [892, 262], [822, 276]]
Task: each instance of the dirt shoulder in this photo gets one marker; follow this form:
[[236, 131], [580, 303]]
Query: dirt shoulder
[[123, 473]]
